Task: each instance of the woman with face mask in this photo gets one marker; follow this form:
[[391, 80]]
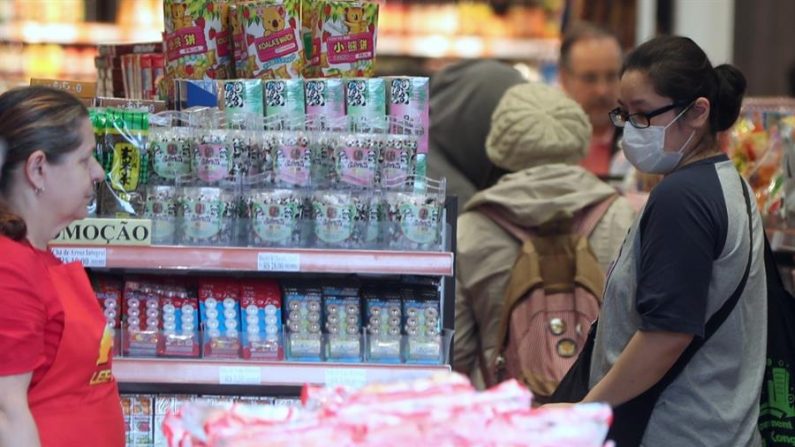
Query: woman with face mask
[[694, 257]]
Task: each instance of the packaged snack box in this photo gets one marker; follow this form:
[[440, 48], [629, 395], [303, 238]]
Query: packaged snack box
[[261, 304], [198, 43], [347, 36], [365, 104], [273, 38], [310, 14], [284, 104], [219, 301], [303, 322], [180, 314], [325, 104]]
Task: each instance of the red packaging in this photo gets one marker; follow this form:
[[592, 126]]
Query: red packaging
[[142, 317], [219, 304], [147, 81], [180, 316], [109, 295]]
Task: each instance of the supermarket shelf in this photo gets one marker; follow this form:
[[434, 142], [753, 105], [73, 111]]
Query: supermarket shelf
[[468, 47], [74, 33], [213, 372], [260, 259]]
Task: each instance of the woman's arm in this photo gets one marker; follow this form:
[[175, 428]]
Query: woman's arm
[[645, 360], [17, 427]]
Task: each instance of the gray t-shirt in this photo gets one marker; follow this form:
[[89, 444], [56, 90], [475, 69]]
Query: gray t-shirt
[[681, 260]]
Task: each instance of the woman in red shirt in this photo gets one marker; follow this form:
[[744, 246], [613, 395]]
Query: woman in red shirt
[[56, 386]]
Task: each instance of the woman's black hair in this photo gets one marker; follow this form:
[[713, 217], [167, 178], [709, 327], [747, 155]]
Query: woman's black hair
[[679, 69]]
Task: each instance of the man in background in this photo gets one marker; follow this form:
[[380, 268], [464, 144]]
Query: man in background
[[590, 64]]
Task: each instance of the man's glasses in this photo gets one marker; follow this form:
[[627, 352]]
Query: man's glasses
[[639, 120]]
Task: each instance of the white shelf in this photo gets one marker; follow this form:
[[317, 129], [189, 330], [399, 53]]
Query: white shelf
[[260, 259], [214, 372]]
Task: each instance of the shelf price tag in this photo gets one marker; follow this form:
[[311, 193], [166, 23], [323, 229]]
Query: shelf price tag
[[350, 377], [90, 257], [239, 375], [278, 262]]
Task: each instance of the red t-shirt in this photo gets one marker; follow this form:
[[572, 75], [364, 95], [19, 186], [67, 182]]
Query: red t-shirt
[[31, 316]]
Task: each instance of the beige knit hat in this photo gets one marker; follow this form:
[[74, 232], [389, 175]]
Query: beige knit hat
[[535, 124]]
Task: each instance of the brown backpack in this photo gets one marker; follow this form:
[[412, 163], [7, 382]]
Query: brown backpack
[[552, 297]]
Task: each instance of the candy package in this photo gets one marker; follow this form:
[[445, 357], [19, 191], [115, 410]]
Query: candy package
[[142, 311], [208, 216], [342, 323], [261, 303], [303, 322], [415, 219], [162, 208], [170, 150], [347, 33], [273, 36], [422, 326], [341, 219], [219, 301], [292, 160], [180, 314], [384, 320]]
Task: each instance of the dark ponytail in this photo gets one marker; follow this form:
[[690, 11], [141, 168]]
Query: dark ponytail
[[731, 88], [679, 69], [33, 119]]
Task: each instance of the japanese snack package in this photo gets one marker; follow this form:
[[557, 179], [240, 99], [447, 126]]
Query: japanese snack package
[[170, 150], [422, 326], [197, 39], [415, 219], [310, 14], [142, 317], [212, 157], [365, 104], [219, 303], [209, 216], [325, 104], [180, 314], [347, 37], [273, 36], [384, 320], [355, 160], [109, 294], [276, 218], [303, 322], [292, 161], [139, 413], [398, 162], [341, 219], [239, 45], [342, 322], [161, 208], [242, 102], [408, 108], [261, 303], [126, 163], [98, 123], [284, 104]]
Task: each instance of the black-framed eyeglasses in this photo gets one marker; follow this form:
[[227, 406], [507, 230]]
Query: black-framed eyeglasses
[[640, 120]]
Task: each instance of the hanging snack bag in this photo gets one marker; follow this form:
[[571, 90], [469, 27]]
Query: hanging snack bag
[[284, 104], [341, 219], [197, 39], [414, 220], [126, 163], [208, 216], [325, 104], [272, 33], [397, 164], [365, 104], [261, 318], [356, 161], [241, 100], [98, 122], [347, 34], [170, 149], [292, 161], [276, 218], [161, 208]]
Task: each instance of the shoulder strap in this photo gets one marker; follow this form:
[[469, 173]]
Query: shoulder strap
[[497, 215], [716, 320], [591, 215]]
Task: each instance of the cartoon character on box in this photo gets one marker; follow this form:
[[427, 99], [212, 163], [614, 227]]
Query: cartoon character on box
[[272, 30], [346, 37], [197, 39], [354, 19]]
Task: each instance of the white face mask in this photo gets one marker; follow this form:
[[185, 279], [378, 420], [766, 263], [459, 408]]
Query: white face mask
[[645, 148]]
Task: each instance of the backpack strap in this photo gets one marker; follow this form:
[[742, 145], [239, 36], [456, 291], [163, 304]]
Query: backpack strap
[[589, 217], [497, 215]]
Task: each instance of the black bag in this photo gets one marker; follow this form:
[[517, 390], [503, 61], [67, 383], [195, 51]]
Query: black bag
[[777, 409], [631, 418]]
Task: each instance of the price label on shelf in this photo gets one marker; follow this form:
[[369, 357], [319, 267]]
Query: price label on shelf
[[351, 377], [278, 262], [90, 257], [239, 375]]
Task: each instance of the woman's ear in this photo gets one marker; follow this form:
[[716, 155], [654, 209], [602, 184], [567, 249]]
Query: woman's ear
[[697, 116], [35, 169]]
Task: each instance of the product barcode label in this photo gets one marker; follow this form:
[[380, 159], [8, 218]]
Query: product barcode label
[[239, 375], [90, 257], [278, 262]]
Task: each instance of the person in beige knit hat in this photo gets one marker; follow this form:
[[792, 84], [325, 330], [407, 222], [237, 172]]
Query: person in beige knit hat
[[539, 135]]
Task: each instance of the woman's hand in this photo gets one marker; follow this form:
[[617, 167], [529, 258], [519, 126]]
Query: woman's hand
[[17, 427]]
